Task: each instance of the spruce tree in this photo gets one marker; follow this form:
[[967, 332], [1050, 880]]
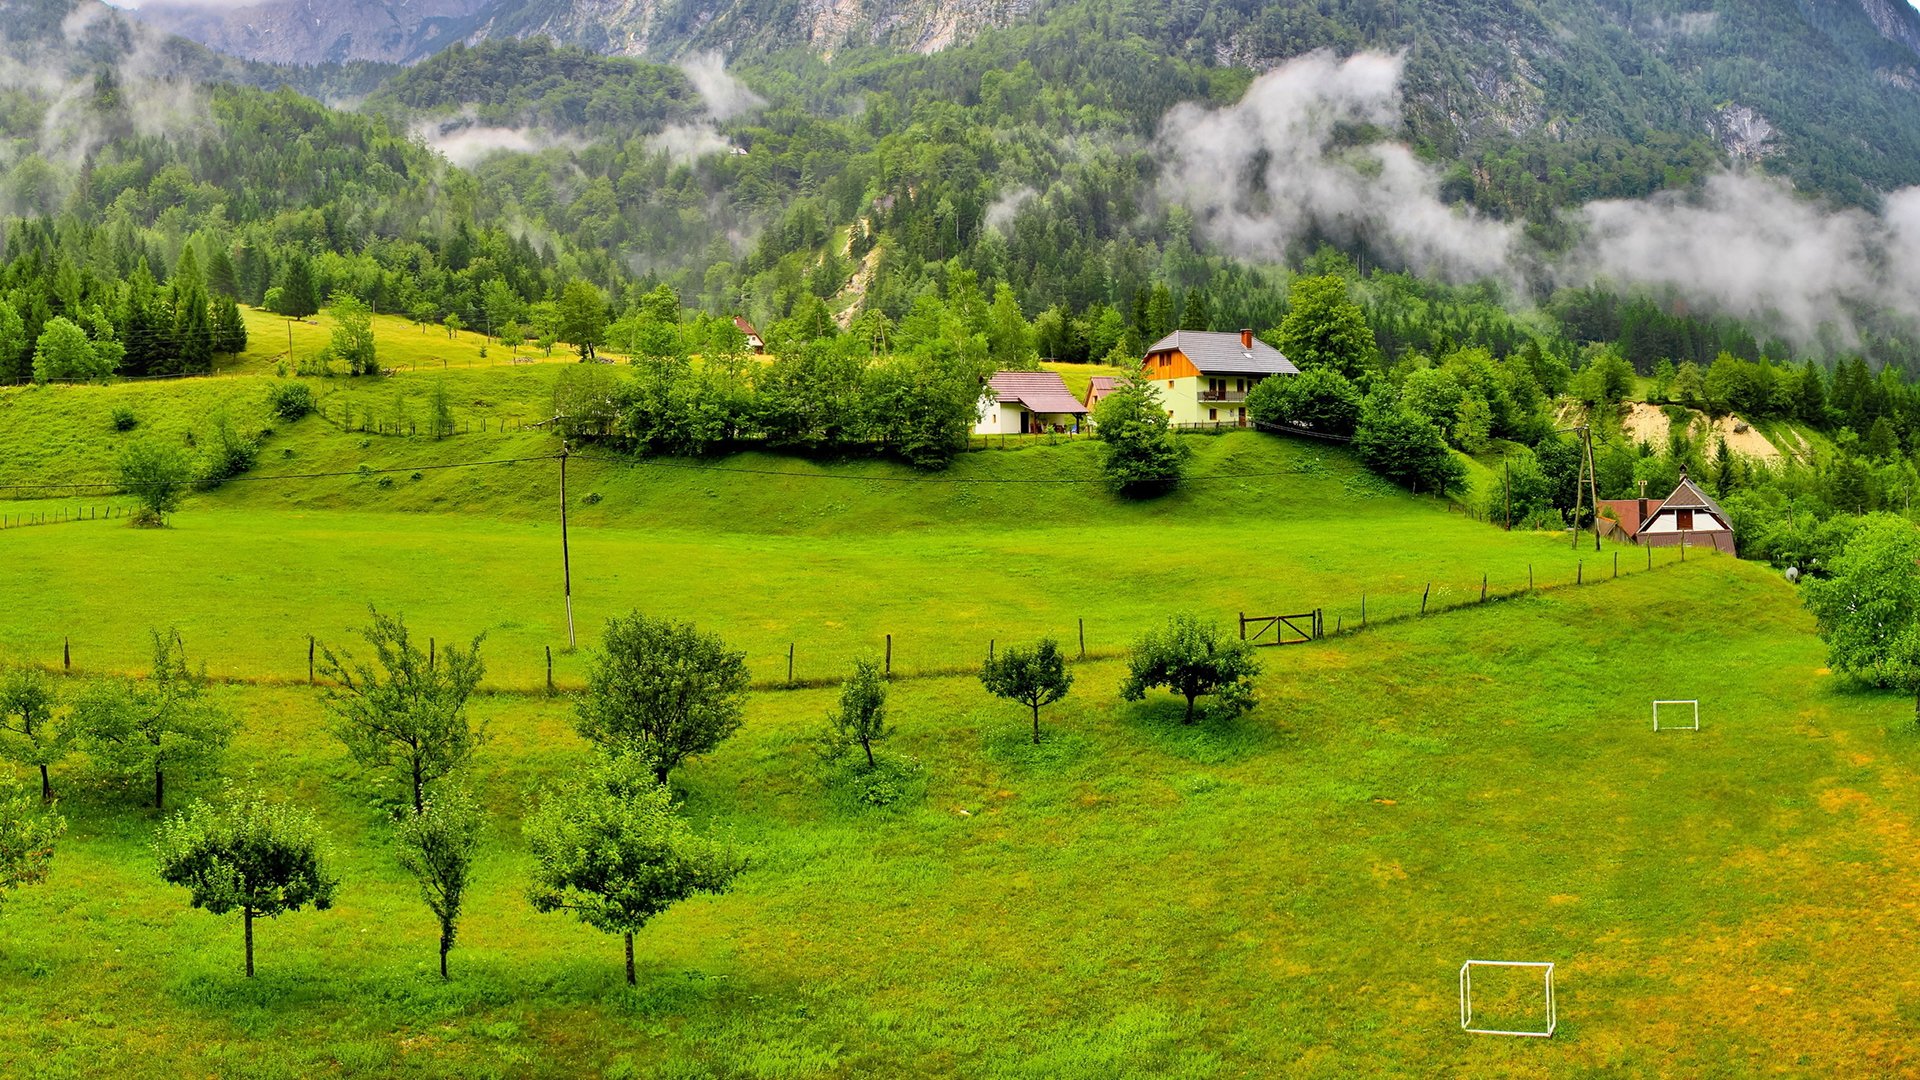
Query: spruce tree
[[297, 298]]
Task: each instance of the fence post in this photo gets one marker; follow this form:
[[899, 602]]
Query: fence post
[[1616, 564], [309, 659], [1649, 556], [1580, 572], [1529, 577], [789, 663], [1363, 611], [1483, 588], [1423, 597], [1083, 638], [430, 654], [989, 650], [66, 655], [549, 669], [1243, 626], [889, 671]]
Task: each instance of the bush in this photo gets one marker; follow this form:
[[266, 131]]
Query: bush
[[290, 400], [123, 418], [229, 454], [1404, 447], [1320, 399]]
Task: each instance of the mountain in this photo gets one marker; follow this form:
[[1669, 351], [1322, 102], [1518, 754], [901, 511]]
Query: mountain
[[404, 31], [319, 31]]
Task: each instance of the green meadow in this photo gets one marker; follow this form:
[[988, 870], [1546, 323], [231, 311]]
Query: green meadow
[[1289, 893]]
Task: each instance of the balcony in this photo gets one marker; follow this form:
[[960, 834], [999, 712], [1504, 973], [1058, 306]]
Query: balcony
[[1224, 397]]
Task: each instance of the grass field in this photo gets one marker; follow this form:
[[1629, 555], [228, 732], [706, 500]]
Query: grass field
[[1291, 893], [1287, 894]]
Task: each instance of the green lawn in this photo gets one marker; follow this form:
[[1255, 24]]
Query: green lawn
[[1288, 894], [769, 551], [1291, 893]]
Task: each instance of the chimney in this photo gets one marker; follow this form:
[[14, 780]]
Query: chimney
[[1246, 339], [1643, 502]]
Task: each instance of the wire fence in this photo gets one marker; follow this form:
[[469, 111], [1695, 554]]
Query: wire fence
[[806, 661]]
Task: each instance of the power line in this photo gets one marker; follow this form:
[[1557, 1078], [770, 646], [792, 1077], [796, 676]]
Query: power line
[[657, 463]]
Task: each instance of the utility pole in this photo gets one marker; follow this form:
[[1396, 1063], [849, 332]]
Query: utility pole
[[1593, 485], [289, 343], [566, 563]]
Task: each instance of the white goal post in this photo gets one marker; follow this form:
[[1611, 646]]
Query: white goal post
[[1466, 997], [1683, 725]]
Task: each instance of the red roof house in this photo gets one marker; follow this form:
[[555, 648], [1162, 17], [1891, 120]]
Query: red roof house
[[1028, 402]]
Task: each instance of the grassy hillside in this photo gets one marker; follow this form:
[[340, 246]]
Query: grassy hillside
[[771, 551], [1291, 893]]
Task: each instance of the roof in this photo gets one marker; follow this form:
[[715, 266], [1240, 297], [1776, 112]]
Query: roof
[[1627, 513], [1223, 353], [740, 323], [1689, 497], [1099, 386], [1035, 391]]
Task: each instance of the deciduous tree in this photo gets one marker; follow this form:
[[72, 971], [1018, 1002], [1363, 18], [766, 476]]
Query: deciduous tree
[[249, 852], [437, 846], [862, 715], [1195, 660], [1033, 677], [28, 831], [609, 847], [663, 688], [162, 724], [1142, 457], [31, 734], [405, 712]]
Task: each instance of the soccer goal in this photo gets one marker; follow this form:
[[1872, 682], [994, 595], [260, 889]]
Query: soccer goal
[[1682, 708], [1466, 997]]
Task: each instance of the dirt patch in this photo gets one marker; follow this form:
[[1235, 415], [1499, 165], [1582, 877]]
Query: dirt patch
[[1646, 423]]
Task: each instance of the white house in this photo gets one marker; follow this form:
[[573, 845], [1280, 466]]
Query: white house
[[1026, 403]]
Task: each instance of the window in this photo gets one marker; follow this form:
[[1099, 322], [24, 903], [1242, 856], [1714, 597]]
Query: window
[[1684, 518], [1213, 414]]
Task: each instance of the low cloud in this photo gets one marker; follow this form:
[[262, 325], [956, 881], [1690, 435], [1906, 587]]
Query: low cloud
[[1280, 166], [466, 142], [686, 143], [1288, 163], [725, 96]]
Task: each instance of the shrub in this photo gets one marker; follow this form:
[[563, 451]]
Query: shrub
[[290, 400], [1321, 399], [123, 418], [1142, 456], [229, 454]]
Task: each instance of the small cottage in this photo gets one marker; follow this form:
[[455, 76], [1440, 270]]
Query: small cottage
[[1028, 403], [1688, 515], [1098, 387], [755, 343]]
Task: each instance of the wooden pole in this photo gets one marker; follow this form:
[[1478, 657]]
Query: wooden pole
[[309, 659], [989, 650], [1363, 610], [889, 671], [789, 663], [1483, 588], [1593, 488], [1580, 572], [1423, 597], [66, 655], [432, 654], [1083, 639], [566, 559], [1243, 626], [1616, 564], [549, 669]]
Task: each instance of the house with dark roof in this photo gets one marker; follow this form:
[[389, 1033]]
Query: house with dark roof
[[1204, 377], [1098, 387], [1688, 516], [1028, 403]]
